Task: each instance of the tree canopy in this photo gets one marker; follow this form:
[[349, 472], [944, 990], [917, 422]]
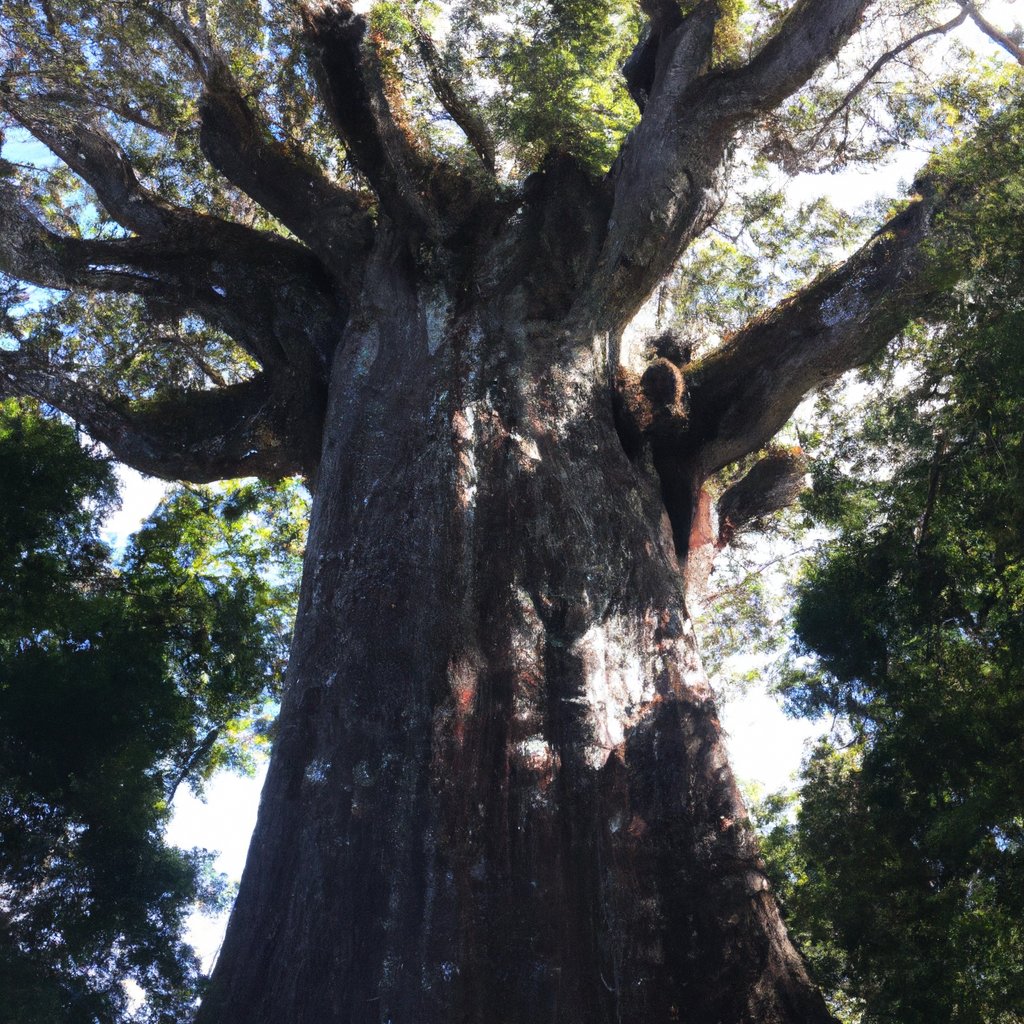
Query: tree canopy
[[209, 158], [903, 868], [121, 678]]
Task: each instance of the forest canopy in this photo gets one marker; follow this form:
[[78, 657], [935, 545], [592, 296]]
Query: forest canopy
[[122, 678]]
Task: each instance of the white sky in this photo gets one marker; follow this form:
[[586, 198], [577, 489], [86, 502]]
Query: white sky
[[223, 822], [139, 496]]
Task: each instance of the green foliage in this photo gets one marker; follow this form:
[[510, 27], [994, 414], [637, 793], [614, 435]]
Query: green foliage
[[980, 231], [740, 621], [855, 112], [554, 70], [903, 870], [119, 680], [763, 247]]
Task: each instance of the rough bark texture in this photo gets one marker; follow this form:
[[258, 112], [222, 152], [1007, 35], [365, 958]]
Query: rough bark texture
[[500, 791]]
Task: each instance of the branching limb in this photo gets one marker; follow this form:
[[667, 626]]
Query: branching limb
[[997, 36], [659, 204], [744, 393], [192, 41], [459, 108], [414, 189], [667, 180], [641, 67], [99, 161], [193, 758], [288, 184], [247, 429], [886, 58], [812, 34], [269, 294], [32, 252], [332, 221], [774, 483]]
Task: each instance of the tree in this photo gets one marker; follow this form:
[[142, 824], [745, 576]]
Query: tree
[[904, 868], [118, 683], [292, 238]]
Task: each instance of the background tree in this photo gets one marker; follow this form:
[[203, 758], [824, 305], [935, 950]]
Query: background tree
[[903, 871], [290, 237], [119, 681]]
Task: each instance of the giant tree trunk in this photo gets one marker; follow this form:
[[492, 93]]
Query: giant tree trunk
[[500, 791]]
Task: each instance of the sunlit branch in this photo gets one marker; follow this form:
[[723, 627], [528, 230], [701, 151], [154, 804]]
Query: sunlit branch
[[880, 63], [182, 35], [992, 32], [812, 34], [99, 161], [742, 394], [668, 179], [86, 102]]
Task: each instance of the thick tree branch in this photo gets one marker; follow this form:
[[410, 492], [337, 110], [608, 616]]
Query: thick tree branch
[[32, 252], [641, 67], [459, 108], [248, 429], [667, 180], [332, 221], [99, 161], [269, 294], [366, 109], [812, 34], [287, 183], [744, 393], [772, 484], [660, 203], [326, 217]]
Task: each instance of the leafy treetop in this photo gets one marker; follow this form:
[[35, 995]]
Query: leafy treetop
[[120, 679]]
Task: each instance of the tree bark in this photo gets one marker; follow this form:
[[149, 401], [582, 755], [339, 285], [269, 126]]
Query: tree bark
[[499, 792]]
